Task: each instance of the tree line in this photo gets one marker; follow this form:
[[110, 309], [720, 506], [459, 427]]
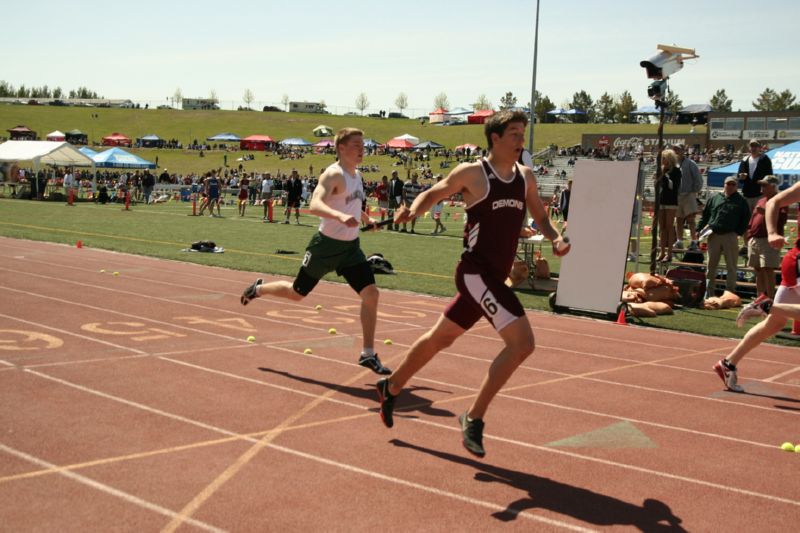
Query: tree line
[[617, 109], [7, 90], [607, 108]]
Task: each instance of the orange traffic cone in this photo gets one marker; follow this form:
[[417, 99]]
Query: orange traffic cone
[[621, 318], [796, 327], [79, 244]]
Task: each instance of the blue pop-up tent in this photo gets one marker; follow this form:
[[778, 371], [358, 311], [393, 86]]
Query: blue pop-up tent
[[119, 158], [88, 152], [785, 165]]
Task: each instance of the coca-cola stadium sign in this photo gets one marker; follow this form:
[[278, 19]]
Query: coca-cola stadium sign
[[634, 142]]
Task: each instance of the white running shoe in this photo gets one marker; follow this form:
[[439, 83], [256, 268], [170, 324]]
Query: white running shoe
[[727, 376], [757, 308]]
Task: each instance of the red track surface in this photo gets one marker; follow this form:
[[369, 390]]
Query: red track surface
[[134, 402]]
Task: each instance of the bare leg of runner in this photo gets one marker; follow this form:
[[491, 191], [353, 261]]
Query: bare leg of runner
[[757, 334], [281, 289], [518, 337], [439, 337], [369, 313]]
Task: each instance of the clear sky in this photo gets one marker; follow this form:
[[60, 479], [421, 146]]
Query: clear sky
[[332, 51]]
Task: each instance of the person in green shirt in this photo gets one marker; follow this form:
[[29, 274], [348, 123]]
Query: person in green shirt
[[726, 215]]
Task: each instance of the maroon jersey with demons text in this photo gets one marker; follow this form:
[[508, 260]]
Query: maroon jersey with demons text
[[493, 224]]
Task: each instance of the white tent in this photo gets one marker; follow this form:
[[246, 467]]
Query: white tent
[[56, 136], [410, 138], [47, 152]]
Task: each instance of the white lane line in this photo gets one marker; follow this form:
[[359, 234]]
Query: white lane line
[[294, 352], [102, 487], [261, 383], [435, 424], [691, 396], [625, 466], [129, 315], [425, 488], [782, 374], [141, 406], [640, 422], [490, 338]]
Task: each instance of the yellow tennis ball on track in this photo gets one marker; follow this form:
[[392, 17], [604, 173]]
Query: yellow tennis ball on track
[[102, 270], [787, 447], [387, 341], [116, 273], [797, 449], [332, 331], [251, 339], [317, 307], [307, 351]]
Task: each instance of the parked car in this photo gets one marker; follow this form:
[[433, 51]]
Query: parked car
[[272, 108], [396, 115], [58, 103]]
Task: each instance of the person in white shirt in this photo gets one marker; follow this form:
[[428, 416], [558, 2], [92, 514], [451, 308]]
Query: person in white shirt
[[266, 194], [337, 200], [70, 184]]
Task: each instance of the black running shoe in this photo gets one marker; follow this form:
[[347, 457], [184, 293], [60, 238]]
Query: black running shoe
[[373, 363], [251, 292], [387, 402], [472, 431]]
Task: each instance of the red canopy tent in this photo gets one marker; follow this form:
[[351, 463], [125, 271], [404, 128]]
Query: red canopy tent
[[402, 144], [22, 133], [479, 117], [117, 139], [437, 116], [256, 142]]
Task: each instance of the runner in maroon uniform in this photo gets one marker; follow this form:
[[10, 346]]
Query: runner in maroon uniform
[[496, 190], [786, 304]]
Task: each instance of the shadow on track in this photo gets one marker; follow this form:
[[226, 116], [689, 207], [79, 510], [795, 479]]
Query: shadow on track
[[581, 504], [409, 400]]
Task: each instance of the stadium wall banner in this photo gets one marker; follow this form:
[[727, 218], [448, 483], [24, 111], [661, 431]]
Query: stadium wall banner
[[758, 134], [648, 143], [726, 134]]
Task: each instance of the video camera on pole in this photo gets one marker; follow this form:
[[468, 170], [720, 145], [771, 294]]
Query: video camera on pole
[[663, 65]]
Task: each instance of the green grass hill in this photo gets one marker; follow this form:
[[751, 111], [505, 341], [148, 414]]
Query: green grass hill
[[189, 125]]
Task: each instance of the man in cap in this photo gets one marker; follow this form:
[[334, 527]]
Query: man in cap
[[752, 169], [726, 214], [763, 258]]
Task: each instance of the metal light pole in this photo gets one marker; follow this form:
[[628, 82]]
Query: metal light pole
[[533, 84], [658, 186]]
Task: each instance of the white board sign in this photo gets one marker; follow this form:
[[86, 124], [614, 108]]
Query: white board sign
[[600, 214]]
